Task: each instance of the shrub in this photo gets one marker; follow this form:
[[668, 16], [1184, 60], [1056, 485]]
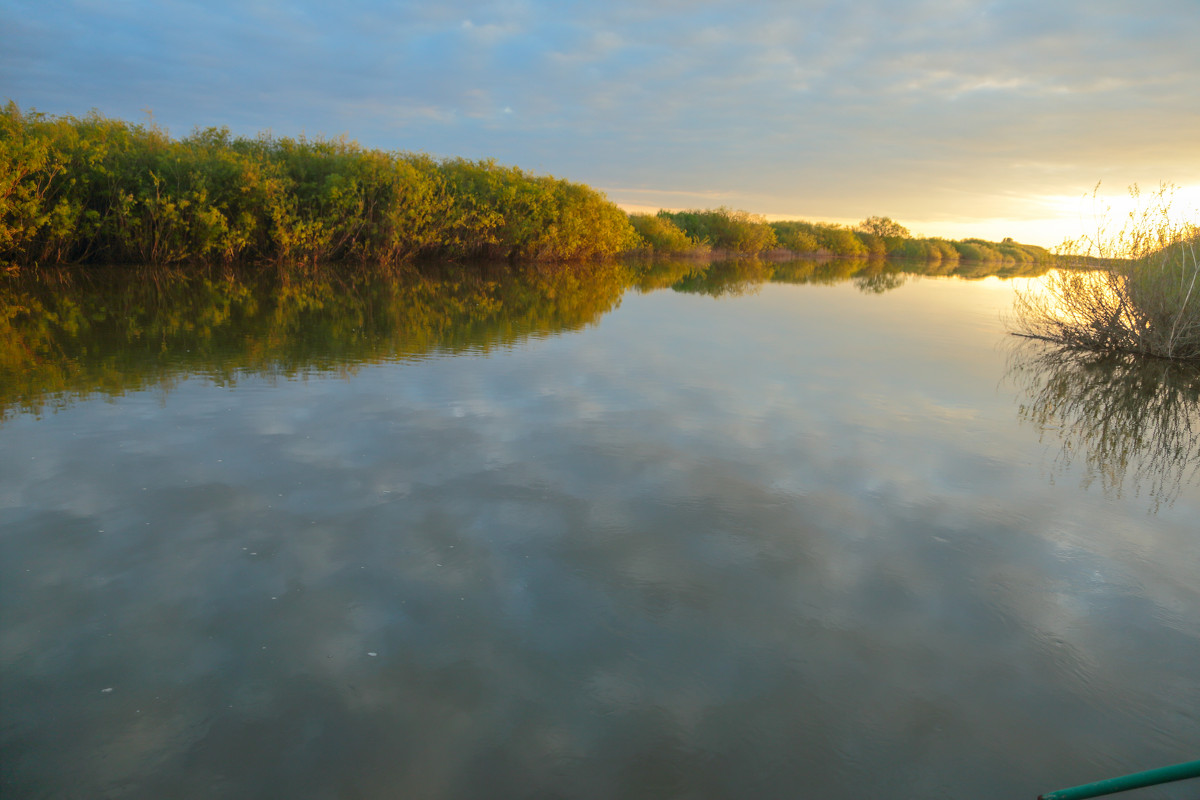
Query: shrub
[[875, 245], [932, 251], [101, 190], [884, 227], [725, 229], [840, 241], [977, 250], [1136, 290], [662, 235], [796, 236]]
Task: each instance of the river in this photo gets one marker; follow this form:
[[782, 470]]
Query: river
[[744, 531]]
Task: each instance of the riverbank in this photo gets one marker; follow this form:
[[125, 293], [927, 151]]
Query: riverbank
[[94, 190], [1133, 288]]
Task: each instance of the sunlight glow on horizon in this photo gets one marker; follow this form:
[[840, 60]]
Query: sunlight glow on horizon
[[958, 120], [1048, 233], [1066, 217]]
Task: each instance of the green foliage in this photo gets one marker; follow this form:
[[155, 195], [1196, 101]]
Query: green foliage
[[504, 212], [976, 250], [882, 236], [883, 227], [27, 168], [662, 235], [725, 229], [874, 237], [1005, 252], [876, 246], [934, 251], [799, 237], [840, 241], [99, 190], [1133, 290]]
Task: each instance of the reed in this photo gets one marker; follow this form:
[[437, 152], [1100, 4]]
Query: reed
[[1128, 289]]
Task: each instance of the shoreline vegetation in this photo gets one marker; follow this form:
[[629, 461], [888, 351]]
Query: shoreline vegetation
[[1132, 289], [93, 190]]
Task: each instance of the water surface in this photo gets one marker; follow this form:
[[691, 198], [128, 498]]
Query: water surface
[[643, 533]]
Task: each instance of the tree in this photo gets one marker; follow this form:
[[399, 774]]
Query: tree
[[884, 227]]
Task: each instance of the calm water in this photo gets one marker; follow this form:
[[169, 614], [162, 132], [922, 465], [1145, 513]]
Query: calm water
[[652, 534]]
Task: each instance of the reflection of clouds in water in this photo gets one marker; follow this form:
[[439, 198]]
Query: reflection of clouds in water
[[617, 586]]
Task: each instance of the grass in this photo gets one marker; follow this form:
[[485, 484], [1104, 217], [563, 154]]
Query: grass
[[1133, 289]]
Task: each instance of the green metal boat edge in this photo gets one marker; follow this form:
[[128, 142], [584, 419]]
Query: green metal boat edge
[[1137, 780]]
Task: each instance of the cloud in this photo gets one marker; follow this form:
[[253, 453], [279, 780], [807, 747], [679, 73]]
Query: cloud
[[839, 110]]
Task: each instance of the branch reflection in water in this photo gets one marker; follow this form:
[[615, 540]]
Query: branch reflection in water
[[1134, 421]]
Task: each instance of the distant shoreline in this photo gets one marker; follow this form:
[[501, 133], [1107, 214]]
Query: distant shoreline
[[93, 190]]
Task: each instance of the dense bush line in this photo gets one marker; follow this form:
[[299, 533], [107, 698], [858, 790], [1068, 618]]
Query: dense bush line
[[741, 233], [93, 189], [97, 190]]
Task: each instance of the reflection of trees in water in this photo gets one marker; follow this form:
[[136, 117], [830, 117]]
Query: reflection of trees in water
[[879, 279], [70, 333], [73, 333], [1129, 418], [730, 277], [724, 277]]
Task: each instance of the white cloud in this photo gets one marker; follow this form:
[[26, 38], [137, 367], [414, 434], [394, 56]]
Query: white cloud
[[918, 108]]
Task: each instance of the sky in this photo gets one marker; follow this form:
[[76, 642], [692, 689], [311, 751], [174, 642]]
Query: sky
[[955, 117]]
